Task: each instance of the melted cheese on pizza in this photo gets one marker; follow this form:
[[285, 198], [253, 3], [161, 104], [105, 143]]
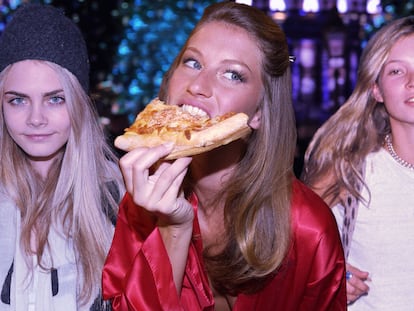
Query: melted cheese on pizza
[[160, 118]]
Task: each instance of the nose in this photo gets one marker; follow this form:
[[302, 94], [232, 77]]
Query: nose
[[37, 116], [201, 85]]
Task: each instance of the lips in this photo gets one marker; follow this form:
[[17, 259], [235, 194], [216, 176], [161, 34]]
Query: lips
[[38, 137]]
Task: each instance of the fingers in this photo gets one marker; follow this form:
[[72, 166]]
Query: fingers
[[356, 285], [168, 180], [155, 184], [136, 164]]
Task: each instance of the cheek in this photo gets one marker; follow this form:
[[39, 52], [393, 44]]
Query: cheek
[[65, 125], [176, 83], [251, 100], [12, 120], [66, 130], [60, 120]]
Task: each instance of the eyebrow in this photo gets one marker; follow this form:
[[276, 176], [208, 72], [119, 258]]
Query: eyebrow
[[224, 61], [54, 92], [15, 93], [398, 61]]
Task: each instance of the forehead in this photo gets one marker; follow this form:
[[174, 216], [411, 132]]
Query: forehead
[[224, 36], [27, 67], [221, 30], [31, 75], [403, 45]]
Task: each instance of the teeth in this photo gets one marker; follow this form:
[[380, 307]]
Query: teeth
[[194, 111]]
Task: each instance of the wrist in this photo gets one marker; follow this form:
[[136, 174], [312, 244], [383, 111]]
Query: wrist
[[175, 231]]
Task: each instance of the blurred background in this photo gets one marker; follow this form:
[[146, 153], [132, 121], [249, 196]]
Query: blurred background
[[132, 43]]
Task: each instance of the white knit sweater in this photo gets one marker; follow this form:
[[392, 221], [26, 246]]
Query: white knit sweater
[[383, 239]]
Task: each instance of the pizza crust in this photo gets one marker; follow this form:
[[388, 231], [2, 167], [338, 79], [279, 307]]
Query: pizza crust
[[218, 134]]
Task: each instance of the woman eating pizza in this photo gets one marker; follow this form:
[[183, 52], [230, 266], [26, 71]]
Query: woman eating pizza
[[230, 228]]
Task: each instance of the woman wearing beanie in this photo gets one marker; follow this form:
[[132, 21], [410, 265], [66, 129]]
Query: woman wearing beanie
[[59, 180]]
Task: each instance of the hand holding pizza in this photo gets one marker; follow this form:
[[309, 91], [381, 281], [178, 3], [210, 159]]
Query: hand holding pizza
[[156, 185]]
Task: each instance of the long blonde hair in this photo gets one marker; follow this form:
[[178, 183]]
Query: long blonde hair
[[338, 149], [258, 195], [80, 193]]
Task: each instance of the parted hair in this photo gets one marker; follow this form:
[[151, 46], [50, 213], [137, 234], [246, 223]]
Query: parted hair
[[79, 194], [258, 195], [337, 152]]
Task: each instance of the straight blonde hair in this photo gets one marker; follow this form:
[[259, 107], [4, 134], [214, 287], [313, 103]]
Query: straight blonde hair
[[79, 195]]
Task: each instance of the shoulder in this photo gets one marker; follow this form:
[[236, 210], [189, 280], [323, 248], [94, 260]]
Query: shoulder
[[303, 196], [309, 211], [314, 229]]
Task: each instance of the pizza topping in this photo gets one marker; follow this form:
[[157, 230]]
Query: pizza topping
[[190, 129], [163, 119]]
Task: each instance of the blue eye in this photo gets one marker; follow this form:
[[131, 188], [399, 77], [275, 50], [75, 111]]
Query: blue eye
[[234, 75], [57, 100], [17, 101], [192, 63]]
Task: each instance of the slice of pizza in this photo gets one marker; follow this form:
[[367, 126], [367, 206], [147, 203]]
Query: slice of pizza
[[191, 132]]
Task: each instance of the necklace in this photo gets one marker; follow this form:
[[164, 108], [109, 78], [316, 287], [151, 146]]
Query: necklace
[[395, 156]]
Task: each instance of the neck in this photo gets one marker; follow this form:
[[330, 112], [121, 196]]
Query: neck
[[208, 186], [42, 168], [211, 171], [42, 165], [395, 151]]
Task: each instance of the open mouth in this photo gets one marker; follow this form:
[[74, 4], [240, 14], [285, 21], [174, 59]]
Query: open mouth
[[195, 111]]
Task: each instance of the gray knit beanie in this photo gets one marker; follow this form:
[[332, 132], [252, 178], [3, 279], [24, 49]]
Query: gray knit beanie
[[43, 32]]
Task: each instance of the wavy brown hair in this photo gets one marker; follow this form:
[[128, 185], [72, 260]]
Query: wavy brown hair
[[258, 194], [79, 194], [338, 149]]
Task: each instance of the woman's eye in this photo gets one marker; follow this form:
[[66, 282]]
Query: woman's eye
[[192, 63], [17, 101], [394, 71], [233, 75], [57, 100]]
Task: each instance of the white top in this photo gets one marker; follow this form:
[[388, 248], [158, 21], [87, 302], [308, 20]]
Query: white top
[[383, 240], [33, 292]]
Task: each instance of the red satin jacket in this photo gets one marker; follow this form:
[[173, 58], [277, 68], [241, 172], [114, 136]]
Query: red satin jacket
[[137, 274]]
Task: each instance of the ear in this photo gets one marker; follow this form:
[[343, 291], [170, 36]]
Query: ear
[[255, 121], [376, 92]]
